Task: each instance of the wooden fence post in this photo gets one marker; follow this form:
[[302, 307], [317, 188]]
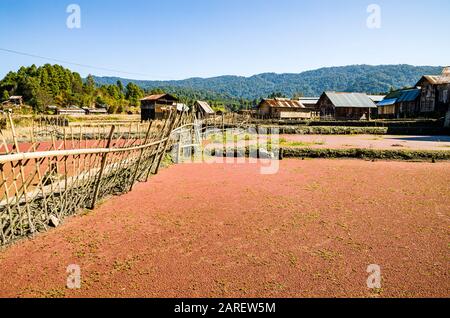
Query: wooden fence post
[[102, 167], [156, 152], [22, 174], [147, 135], [166, 143]]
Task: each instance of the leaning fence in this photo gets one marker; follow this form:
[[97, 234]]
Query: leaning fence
[[50, 173]]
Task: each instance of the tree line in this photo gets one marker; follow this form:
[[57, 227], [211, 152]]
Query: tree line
[[54, 85]]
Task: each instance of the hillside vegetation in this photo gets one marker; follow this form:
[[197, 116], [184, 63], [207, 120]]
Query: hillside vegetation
[[355, 78]]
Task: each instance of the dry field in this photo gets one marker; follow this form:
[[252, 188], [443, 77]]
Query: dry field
[[216, 230]]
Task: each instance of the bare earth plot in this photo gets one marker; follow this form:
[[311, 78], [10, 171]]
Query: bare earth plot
[[227, 231]]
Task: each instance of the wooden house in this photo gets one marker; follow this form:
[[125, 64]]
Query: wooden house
[[157, 106], [71, 111], [345, 106], [95, 111], [377, 98], [283, 108], [435, 94], [404, 103], [13, 101], [309, 102], [203, 110], [16, 100]]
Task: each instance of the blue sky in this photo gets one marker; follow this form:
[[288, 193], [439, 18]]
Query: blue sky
[[175, 39]]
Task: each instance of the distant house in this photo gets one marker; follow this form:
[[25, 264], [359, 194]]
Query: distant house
[[71, 111], [377, 98], [95, 111], [309, 102], [203, 110], [13, 101], [157, 106], [404, 103], [345, 106], [16, 100], [435, 91], [283, 108]]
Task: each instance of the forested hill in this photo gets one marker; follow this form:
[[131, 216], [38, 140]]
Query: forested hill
[[355, 78]]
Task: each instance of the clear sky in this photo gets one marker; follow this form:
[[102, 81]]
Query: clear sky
[[175, 39]]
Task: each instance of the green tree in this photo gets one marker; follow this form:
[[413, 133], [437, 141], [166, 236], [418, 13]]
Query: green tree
[[5, 95], [276, 95], [134, 94], [120, 86], [89, 86]]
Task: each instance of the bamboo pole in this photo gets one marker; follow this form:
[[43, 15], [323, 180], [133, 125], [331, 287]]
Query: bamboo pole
[[166, 143], [133, 180], [22, 175], [102, 168]]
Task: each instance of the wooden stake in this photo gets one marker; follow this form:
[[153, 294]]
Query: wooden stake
[[147, 135], [102, 168]]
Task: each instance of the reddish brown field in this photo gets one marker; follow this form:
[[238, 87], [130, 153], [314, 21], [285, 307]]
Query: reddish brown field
[[226, 230]]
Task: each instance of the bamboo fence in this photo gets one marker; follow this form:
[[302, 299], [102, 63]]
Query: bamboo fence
[[49, 172]]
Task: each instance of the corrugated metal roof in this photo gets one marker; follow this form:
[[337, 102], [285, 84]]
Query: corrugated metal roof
[[284, 103], [309, 100], [387, 102], [409, 95], [158, 96], [359, 100], [205, 106], [435, 79], [377, 98], [401, 96]]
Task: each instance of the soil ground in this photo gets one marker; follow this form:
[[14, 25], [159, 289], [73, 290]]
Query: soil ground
[[226, 230]]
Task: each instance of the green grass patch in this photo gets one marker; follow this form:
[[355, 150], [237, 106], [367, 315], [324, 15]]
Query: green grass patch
[[397, 154]]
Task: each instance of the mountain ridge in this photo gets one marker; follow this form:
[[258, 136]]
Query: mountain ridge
[[372, 79]]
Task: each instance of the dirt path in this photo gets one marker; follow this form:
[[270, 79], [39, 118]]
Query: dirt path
[[226, 230], [371, 141]]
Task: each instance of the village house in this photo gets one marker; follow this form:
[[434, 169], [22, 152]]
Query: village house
[[157, 106], [13, 101], [435, 91], [377, 98], [345, 106], [71, 111], [16, 100], [404, 103], [95, 111], [203, 110], [309, 102], [284, 108]]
